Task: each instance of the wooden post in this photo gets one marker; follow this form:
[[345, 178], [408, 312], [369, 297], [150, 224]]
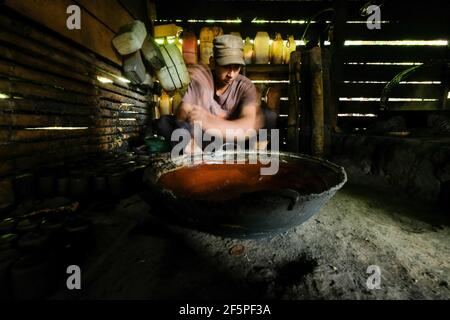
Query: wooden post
[[294, 103], [329, 108], [305, 106], [317, 125], [337, 57]]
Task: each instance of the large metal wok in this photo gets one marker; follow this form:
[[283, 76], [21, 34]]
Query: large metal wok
[[234, 200]]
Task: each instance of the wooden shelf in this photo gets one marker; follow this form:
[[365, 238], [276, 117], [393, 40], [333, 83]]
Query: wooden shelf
[[282, 68]]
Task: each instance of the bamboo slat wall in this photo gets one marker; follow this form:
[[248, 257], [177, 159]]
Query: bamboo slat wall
[[53, 108]]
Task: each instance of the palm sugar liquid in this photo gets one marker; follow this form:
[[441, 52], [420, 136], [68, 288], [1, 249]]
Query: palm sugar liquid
[[221, 182]]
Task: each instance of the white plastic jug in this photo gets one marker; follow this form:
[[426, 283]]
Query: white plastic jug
[[152, 53], [262, 47], [277, 50], [174, 74], [130, 37]]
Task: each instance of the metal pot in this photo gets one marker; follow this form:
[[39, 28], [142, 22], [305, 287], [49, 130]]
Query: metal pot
[[261, 212]]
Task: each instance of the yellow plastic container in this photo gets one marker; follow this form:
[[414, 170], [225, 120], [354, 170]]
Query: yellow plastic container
[[248, 51], [176, 101], [207, 35], [290, 47], [167, 30], [165, 104], [178, 44], [262, 47], [277, 50]]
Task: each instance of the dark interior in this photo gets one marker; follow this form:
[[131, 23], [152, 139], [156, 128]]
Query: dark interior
[[76, 137]]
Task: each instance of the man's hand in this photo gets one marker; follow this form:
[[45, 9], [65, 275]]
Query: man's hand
[[199, 114]]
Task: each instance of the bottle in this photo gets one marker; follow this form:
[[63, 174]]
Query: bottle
[[277, 50], [262, 47]]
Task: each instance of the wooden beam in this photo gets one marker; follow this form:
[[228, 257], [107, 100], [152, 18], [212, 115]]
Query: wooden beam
[[53, 14]]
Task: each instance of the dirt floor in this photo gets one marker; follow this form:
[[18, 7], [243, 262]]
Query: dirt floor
[[325, 258]]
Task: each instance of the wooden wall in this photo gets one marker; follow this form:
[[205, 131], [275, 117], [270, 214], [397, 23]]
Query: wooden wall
[[365, 69], [48, 81]]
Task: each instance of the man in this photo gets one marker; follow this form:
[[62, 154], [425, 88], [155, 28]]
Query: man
[[218, 96]]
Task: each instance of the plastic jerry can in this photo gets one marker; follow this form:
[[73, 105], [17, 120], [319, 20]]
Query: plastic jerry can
[[165, 104], [152, 53], [178, 44], [248, 51], [262, 47], [176, 101], [134, 68], [175, 74], [277, 50], [290, 47], [130, 37], [190, 48], [167, 30]]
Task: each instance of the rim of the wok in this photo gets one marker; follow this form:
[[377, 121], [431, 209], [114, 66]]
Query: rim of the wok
[[153, 173]]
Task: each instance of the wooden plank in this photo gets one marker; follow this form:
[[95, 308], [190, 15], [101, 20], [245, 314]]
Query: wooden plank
[[45, 107], [387, 73], [124, 92], [19, 25], [32, 47], [348, 124], [23, 89], [40, 63], [30, 120], [18, 165], [13, 70], [246, 10], [267, 76], [124, 107], [107, 95], [374, 106], [382, 53], [401, 91], [417, 30], [21, 135], [52, 14], [15, 150], [267, 68], [95, 66], [101, 10]]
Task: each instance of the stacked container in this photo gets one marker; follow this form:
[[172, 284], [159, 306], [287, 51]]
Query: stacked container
[[262, 47]]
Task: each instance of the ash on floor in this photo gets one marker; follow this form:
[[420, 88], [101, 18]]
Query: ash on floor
[[334, 255]]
